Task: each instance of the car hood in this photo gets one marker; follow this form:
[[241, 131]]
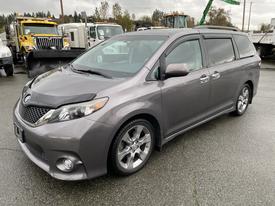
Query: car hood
[[63, 86]]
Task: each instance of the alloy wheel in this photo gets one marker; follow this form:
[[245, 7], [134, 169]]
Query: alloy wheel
[[134, 147], [243, 100]]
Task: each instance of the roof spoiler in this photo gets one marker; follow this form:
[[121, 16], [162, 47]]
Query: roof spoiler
[[217, 27]]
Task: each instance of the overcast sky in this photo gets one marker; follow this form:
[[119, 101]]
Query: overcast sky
[[262, 10]]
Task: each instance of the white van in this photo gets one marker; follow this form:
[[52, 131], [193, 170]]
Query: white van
[[96, 32]]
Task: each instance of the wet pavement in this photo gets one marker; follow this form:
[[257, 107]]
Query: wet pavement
[[228, 161]]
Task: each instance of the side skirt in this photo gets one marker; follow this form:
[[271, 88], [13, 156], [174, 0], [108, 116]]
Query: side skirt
[[169, 138]]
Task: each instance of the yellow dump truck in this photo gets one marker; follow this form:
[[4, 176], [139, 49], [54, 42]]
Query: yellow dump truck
[[36, 43]]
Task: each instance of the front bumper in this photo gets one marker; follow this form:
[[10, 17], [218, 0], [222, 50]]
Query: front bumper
[[82, 139]]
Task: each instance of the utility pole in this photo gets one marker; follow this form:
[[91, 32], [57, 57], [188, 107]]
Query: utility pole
[[62, 11], [244, 2], [249, 16], [84, 15]]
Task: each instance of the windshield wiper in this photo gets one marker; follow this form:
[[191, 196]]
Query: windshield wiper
[[94, 72], [89, 71]]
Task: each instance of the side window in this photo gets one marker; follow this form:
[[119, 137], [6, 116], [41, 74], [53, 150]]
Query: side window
[[155, 74], [188, 53], [245, 47], [72, 36], [219, 51], [92, 32]]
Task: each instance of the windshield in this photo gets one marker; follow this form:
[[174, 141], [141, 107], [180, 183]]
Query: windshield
[[175, 21], [120, 56], [109, 31], [39, 29]]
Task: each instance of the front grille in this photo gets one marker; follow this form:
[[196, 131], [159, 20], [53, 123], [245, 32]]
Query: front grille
[[32, 114], [48, 42]]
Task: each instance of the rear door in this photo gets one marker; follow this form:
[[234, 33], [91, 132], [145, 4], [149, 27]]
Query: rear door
[[224, 71], [185, 99]]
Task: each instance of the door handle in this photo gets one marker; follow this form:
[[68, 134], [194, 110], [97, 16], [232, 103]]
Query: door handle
[[204, 78], [216, 75]]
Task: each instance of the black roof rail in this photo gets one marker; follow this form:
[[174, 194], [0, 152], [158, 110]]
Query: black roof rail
[[217, 27]]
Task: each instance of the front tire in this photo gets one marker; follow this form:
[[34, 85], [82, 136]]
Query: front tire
[[260, 51], [9, 70], [132, 147], [243, 100]]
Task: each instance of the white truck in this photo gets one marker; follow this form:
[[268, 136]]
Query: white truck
[[81, 37], [264, 42]]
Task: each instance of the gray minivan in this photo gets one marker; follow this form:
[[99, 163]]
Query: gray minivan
[[109, 108]]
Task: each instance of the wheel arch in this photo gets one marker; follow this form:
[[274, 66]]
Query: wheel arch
[[143, 115], [251, 85]]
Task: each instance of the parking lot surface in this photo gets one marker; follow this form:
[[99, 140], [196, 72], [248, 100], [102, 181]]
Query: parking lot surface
[[228, 161]]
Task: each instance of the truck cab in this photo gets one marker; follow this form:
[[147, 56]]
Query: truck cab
[[27, 33], [175, 20], [102, 31], [94, 33]]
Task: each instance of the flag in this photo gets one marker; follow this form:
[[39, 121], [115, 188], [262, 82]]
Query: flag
[[232, 2]]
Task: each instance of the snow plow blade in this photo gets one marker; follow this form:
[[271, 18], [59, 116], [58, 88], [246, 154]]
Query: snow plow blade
[[40, 61]]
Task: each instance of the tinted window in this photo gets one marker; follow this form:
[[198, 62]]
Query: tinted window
[[245, 47], [188, 53], [219, 51]]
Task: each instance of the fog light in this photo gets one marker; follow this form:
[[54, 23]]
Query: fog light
[[65, 165]]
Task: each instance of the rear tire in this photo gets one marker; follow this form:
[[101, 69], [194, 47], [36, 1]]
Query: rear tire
[[132, 147], [9, 70], [243, 100], [260, 51]]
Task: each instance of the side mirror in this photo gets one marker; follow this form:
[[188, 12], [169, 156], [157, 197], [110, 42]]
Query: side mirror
[[176, 70], [101, 35]]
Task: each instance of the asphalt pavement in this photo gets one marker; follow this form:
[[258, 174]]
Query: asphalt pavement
[[228, 161]]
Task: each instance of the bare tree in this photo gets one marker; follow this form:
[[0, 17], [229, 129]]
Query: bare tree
[[190, 22], [146, 19], [157, 16], [219, 16], [103, 10], [97, 15], [117, 11], [133, 17]]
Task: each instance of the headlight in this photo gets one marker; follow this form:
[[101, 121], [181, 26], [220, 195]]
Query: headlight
[[29, 48], [73, 111]]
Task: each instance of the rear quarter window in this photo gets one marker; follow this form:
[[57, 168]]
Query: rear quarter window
[[245, 46], [219, 51]]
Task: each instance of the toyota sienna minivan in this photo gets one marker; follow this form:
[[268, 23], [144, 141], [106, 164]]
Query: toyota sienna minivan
[[109, 108]]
